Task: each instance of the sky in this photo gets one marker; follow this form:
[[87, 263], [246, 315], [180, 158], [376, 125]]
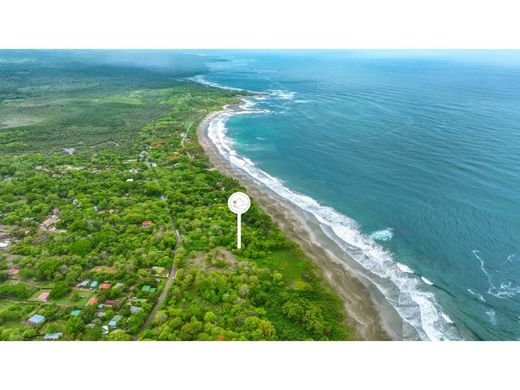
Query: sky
[[260, 24]]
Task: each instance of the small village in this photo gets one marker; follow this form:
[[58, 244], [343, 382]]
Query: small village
[[102, 302], [106, 304]]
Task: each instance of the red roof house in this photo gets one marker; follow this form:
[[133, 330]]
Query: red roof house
[[110, 303], [92, 301], [147, 224], [43, 297], [105, 286], [13, 272]]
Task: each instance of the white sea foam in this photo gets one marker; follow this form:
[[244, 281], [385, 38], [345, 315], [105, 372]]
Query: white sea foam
[[505, 290], [478, 295], [492, 316], [382, 235], [280, 94], [502, 291], [404, 268], [447, 318], [404, 290], [427, 281], [201, 80]]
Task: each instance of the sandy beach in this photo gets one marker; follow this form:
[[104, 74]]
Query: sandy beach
[[361, 310]]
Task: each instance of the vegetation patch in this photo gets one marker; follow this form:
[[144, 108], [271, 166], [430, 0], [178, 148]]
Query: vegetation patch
[[95, 228]]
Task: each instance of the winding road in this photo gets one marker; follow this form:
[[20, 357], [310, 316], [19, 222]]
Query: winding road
[[173, 270], [164, 292]]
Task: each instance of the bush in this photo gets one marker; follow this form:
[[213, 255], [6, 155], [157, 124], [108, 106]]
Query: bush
[[15, 291], [59, 290]]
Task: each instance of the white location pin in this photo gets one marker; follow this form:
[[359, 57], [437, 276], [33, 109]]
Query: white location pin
[[239, 203]]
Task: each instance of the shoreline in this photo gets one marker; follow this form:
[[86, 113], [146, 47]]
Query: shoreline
[[361, 311]]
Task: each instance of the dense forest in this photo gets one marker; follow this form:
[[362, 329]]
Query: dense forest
[[105, 194]]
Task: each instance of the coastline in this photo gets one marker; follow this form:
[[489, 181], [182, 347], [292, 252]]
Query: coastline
[[362, 313]]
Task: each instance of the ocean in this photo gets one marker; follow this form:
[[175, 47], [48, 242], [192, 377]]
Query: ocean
[[409, 160]]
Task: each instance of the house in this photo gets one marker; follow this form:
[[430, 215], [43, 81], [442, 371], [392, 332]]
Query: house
[[94, 284], [75, 313], [43, 297], [146, 288], [129, 180], [114, 321], [85, 283], [100, 314], [119, 285], [105, 286], [161, 271], [104, 329], [56, 212], [147, 224], [4, 244], [13, 272], [52, 336], [101, 306], [92, 301], [111, 303], [36, 319], [153, 289], [135, 309]]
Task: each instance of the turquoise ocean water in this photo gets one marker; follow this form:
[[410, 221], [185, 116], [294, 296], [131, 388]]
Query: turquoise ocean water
[[410, 160]]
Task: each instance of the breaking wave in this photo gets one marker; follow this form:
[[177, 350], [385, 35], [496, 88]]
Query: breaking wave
[[382, 235], [408, 293]]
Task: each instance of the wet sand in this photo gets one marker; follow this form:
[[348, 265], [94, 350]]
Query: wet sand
[[361, 311]]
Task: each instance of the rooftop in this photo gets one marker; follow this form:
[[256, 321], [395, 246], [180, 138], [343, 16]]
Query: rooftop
[[43, 296], [36, 319], [84, 283], [52, 336], [114, 321], [135, 309]]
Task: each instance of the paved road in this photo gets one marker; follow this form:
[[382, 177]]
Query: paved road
[[188, 129], [164, 292], [173, 270]]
